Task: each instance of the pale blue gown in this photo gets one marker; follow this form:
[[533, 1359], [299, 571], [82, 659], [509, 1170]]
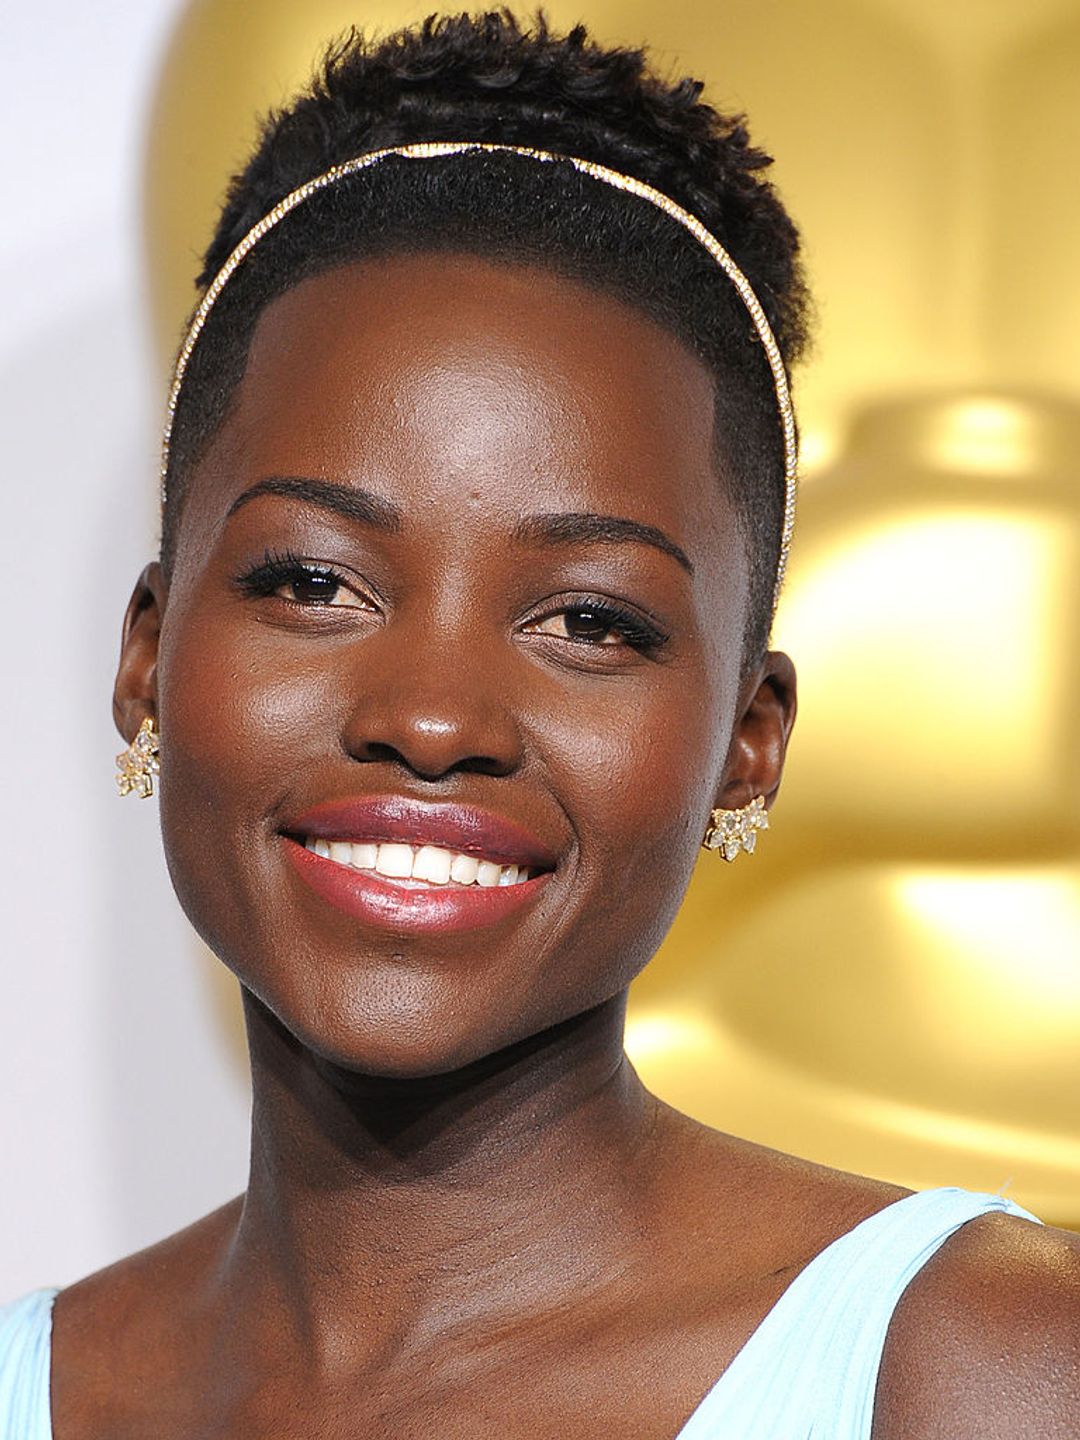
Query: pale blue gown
[[808, 1372]]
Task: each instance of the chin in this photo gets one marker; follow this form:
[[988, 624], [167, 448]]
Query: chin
[[394, 1027]]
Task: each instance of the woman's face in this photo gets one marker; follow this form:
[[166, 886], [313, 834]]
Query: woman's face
[[457, 573]]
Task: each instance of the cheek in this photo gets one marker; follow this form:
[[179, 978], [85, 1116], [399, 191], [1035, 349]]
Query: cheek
[[636, 767], [230, 719], [238, 727], [240, 700]]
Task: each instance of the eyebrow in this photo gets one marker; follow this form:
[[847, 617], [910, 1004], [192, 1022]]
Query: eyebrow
[[344, 500], [574, 528]]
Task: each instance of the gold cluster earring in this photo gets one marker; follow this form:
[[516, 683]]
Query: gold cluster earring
[[139, 763], [733, 831]]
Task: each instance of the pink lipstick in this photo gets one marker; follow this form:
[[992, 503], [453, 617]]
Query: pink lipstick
[[408, 866]]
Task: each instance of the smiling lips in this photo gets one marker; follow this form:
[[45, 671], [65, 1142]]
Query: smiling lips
[[428, 863], [404, 866]]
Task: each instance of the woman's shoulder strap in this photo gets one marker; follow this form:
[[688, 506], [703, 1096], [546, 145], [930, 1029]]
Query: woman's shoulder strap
[[811, 1367], [25, 1343], [860, 1284]]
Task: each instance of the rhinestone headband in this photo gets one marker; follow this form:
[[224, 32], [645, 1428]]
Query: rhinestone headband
[[431, 150]]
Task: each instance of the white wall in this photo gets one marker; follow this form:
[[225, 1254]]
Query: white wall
[[121, 1115]]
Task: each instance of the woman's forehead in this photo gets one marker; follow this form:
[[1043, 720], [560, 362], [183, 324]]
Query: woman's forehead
[[431, 365]]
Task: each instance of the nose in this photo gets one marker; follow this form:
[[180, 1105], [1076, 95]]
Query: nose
[[434, 705]]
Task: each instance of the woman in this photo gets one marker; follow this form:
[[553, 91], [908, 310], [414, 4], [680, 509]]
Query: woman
[[478, 484]]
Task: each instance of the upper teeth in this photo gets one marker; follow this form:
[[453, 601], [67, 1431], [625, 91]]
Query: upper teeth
[[418, 862]]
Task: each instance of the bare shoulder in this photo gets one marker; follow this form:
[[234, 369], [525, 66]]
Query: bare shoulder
[[122, 1320], [166, 1267], [787, 1208], [986, 1340]]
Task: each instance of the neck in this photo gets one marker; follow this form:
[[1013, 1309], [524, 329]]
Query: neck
[[444, 1200]]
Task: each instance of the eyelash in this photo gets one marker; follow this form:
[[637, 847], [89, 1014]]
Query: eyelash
[[280, 568], [635, 631]]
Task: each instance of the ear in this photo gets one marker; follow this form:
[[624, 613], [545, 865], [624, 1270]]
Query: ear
[[135, 691], [755, 758]]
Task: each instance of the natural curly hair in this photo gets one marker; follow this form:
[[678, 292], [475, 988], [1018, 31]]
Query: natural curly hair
[[487, 77]]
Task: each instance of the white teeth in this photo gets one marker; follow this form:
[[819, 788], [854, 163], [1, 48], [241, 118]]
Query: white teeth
[[395, 861], [463, 869], [430, 863]]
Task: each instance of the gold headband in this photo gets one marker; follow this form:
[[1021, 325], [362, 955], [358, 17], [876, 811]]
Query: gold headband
[[433, 149]]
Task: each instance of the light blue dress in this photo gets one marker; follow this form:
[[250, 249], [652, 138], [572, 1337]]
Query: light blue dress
[[808, 1372]]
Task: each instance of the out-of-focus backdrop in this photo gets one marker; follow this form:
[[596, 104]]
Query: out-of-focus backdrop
[[893, 983]]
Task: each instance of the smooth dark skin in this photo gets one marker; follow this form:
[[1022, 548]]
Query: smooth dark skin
[[465, 1216]]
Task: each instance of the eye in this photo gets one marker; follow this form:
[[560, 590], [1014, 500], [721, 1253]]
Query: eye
[[307, 583], [593, 627], [601, 625], [310, 586]]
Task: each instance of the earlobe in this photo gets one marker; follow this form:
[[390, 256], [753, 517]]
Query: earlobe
[[135, 691], [759, 740]]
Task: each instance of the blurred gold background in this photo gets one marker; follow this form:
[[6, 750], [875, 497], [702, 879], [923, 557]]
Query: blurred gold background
[[892, 985]]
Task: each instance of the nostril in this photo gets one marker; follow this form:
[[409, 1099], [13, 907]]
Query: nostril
[[436, 766], [482, 765], [375, 750]]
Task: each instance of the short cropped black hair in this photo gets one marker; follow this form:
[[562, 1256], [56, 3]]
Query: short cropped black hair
[[487, 77]]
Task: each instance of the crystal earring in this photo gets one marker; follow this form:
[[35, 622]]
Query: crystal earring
[[732, 831], [139, 763]]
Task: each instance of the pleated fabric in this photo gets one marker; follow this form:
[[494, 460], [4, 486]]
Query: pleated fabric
[[25, 1336], [810, 1369]]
